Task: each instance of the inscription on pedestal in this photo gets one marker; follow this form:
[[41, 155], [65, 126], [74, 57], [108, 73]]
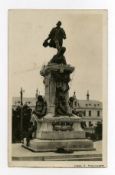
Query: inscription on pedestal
[[62, 126]]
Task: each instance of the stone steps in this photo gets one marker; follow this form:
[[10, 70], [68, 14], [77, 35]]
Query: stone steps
[[61, 157]]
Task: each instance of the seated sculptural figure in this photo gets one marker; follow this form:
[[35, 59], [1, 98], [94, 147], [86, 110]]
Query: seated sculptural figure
[[41, 107], [59, 58]]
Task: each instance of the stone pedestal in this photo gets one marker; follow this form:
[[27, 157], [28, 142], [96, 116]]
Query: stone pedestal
[[56, 131], [59, 128], [52, 73], [37, 145]]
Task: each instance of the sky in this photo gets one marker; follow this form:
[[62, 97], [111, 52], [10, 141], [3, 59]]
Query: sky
[[85, 31]]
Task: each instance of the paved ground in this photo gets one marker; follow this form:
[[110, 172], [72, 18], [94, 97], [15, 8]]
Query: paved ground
[[20, 153]]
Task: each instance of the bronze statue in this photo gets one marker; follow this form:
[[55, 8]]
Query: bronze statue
[[55, 38]]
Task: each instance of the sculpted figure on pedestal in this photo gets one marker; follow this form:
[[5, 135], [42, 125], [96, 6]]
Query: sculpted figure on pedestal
[[41, 107], [55, 40], [56, 36]]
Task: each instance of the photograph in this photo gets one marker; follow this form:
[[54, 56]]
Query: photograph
[[57, 89]]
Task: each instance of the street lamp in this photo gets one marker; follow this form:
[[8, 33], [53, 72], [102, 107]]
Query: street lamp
[[21, 116]]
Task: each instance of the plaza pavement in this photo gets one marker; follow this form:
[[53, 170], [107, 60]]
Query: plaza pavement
[[20, 153]]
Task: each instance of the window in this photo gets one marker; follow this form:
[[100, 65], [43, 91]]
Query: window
[[98, 113], [84, 113], [89, 113]]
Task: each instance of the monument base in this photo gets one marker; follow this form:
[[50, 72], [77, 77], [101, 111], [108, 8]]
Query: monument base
[[37, 145], [59, 133]]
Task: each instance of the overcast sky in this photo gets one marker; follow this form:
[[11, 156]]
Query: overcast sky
[[84, 44]]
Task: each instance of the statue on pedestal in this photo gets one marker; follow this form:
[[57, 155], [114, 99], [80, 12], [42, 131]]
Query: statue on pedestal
[[55, 40], [56, 128]]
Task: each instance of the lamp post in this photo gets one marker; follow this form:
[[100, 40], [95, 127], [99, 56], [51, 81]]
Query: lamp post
[[21, 116]]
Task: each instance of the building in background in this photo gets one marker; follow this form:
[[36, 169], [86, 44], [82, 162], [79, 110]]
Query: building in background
[[90, 110]]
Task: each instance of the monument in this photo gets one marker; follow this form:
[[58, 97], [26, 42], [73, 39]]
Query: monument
[[56, 127]]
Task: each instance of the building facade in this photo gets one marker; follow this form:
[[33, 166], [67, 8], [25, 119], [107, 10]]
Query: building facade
[[89, 110]]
